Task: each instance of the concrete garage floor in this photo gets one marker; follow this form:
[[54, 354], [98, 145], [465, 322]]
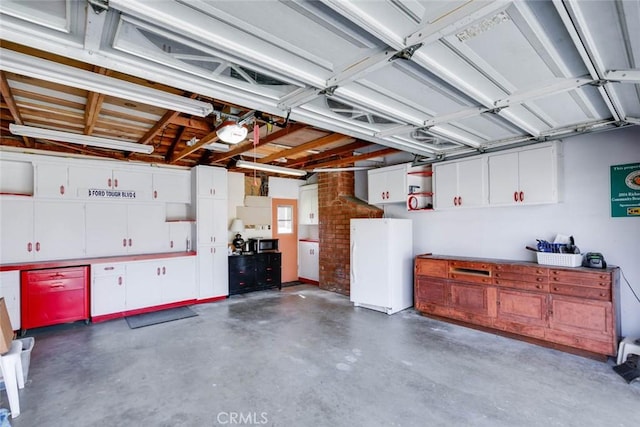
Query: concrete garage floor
[[306, 357]]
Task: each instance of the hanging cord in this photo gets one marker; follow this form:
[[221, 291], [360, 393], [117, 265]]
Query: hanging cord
[[256, 139], [629, 285]]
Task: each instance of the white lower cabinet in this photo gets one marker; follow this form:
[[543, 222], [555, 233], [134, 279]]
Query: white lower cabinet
[[309, 260], [10, 291], [213, 272], [178, 280], [108, 288], [120, 287], [143, 284]]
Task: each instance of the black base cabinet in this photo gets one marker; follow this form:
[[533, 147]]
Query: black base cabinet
[[256, 272]]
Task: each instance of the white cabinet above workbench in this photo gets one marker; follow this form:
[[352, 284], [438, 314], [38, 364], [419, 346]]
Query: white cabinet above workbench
[[460, 184], [403, 183], [524, 177]]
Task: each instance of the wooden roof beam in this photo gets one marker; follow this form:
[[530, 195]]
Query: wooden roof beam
[[325, 140], [168, 117], [5, 89], [353, 159], [94, 105], [349, 148]]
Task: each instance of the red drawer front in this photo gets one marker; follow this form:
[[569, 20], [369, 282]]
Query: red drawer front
[[59, 285], [55, 274], [54, 296]]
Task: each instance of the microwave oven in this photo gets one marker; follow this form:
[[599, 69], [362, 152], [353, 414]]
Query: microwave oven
[[263, 245]]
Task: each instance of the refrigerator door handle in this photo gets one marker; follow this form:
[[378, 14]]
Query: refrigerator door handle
[[353, 267]]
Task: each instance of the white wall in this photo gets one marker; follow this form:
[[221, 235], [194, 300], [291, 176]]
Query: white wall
[[284, 188], [584, 213]]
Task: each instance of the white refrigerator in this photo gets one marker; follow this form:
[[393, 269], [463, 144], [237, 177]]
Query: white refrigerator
[[382, 264]]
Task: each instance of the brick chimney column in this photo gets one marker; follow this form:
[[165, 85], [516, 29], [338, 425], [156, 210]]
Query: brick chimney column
[[336, 206]]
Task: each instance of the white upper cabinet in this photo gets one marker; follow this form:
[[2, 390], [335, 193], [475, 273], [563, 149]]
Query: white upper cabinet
[[59, 230], [120, 229], [16, 176], [211, 221], [460, 184], [211, 182], [16, 230], [40, 230], [125, 184], [308, 212], [524, 177], [388, 185], [174, 187], [52, 180], [180, 239]]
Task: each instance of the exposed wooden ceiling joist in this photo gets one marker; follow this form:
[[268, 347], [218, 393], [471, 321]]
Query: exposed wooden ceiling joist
[[316, 143], [352, 159], [12, 106]]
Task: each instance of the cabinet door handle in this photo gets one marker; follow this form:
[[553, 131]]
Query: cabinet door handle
[[62, 189], [164, 270], [155, 194], [171, 244], [57, 285], [29, 247], [158, 271], [521, 196], [387, 194], [37, 246], [109, 268], [109, 182], [119, 280], [130, 242], [459, 200], [124, 242], [515, 196], [115, 183], [455, 201], [539, 279], [538, 286]]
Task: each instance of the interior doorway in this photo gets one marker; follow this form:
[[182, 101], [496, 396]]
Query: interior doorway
[[285, 228]]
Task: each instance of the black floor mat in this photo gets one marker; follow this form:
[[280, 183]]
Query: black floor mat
[[629, 370], [162, 316]]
